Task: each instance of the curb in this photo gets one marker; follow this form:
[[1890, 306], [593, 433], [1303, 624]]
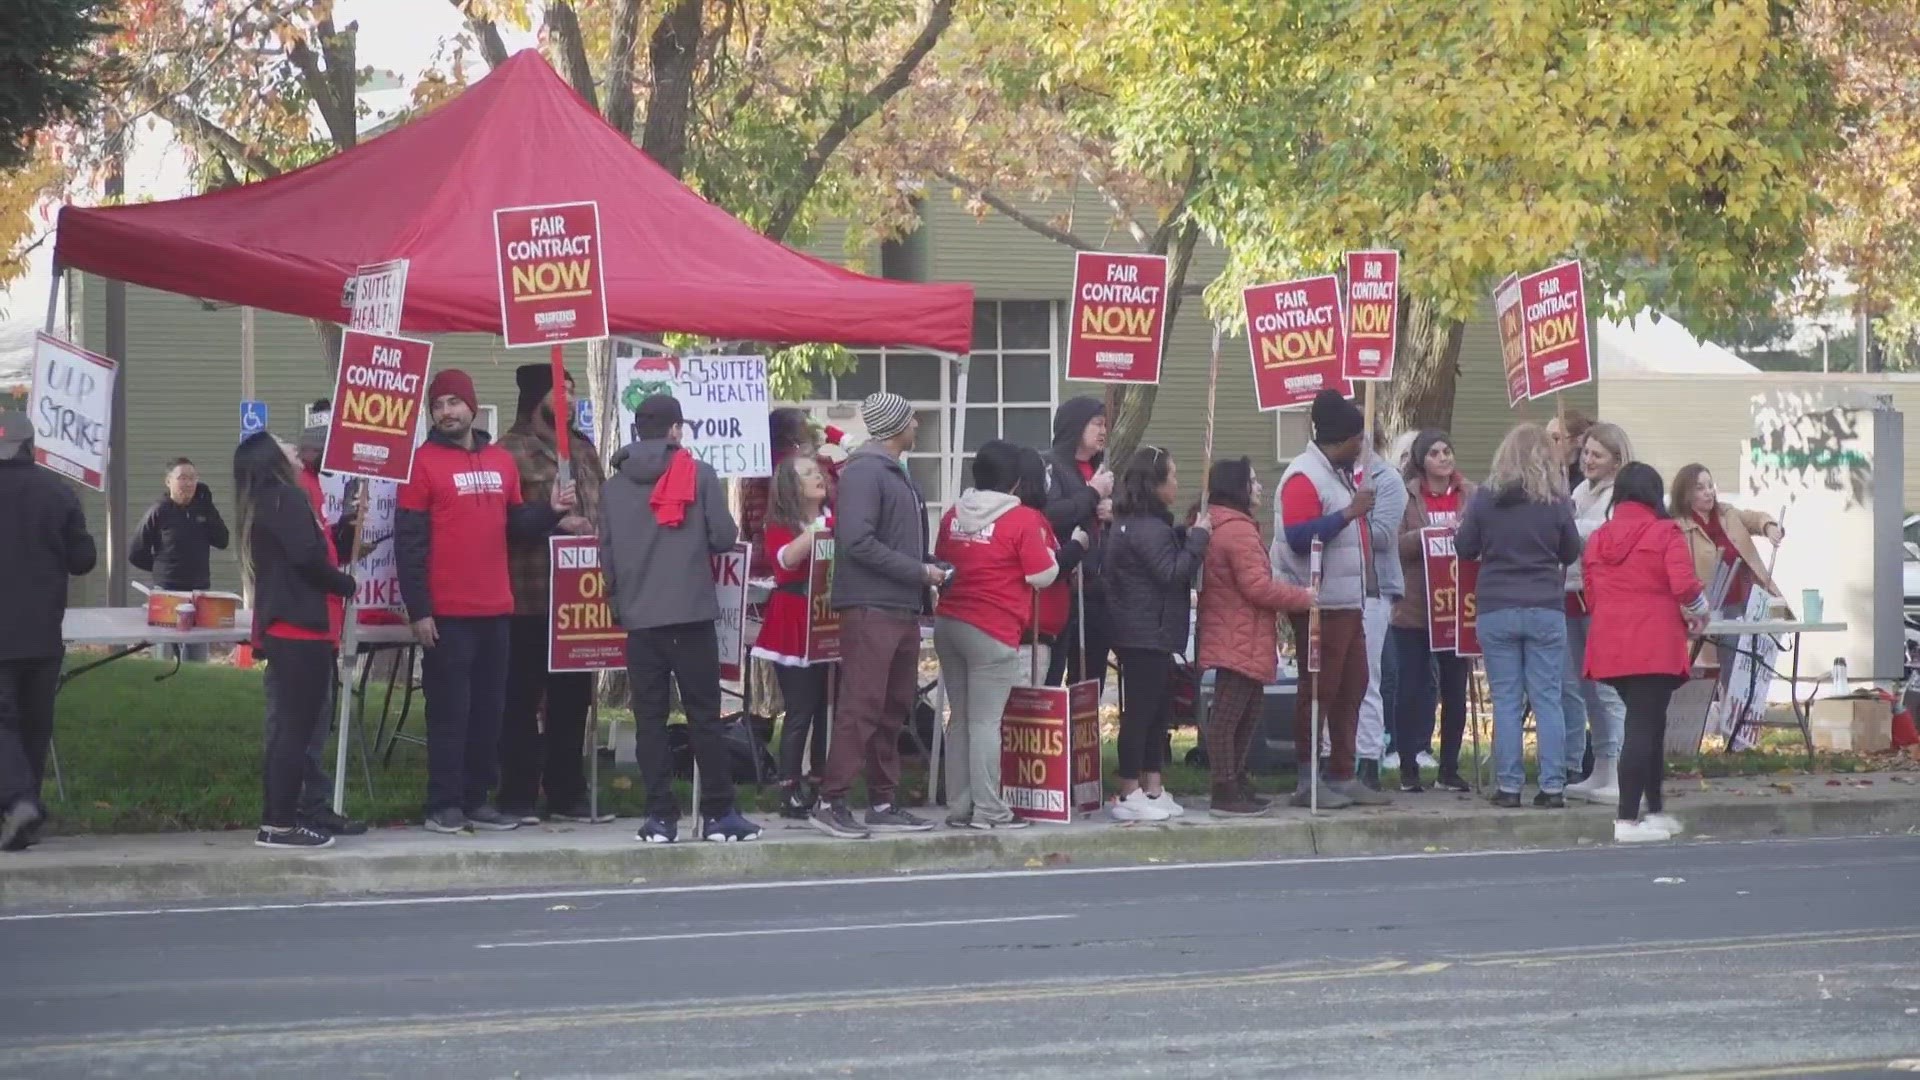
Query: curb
[[221, 868]]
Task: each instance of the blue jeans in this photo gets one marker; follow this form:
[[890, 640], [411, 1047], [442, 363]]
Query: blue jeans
[[1593, 710], [1525, 650]]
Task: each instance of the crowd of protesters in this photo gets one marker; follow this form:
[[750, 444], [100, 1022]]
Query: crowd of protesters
[[1593, 589]]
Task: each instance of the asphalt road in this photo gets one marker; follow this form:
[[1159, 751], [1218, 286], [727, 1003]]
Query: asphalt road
[[1782, 958]]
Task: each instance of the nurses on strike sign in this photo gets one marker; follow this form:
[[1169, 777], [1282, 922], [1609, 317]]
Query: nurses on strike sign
[[1297, 338], [1119, 318], [581, 633], [552, 289]]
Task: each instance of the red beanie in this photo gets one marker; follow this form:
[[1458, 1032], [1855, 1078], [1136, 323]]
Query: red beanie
[[456, 382]]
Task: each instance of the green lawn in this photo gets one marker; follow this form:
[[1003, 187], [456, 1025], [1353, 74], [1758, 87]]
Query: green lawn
[[184, 753]]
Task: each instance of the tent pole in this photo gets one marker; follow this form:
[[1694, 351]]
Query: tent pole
[[53, 295], [956, 443], [118, 528], [246, 353]]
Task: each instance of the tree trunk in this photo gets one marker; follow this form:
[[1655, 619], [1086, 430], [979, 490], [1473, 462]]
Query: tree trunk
[[1130, 408], [674, 53], [1426, 367]]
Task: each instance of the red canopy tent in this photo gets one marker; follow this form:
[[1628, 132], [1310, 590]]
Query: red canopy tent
[[426, 192]]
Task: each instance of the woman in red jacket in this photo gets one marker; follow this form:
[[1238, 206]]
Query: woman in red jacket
[[1646, 601], [1238, 636]]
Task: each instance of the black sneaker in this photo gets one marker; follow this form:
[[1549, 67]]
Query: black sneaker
[[794, 804], [449, 820], [580, 814], [1012, 823], [968, 823], [297, 838], [19, 825], [889, 818], [490, 819], [326, 821], [1452, 782], [834, 819], [730, 828], [1550, 800], [1410, 781], [658, 830], [525, 816], [1507, 800]]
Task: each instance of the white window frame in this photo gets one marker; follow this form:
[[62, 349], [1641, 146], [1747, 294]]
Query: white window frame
[[1288, 444], [832, 410]]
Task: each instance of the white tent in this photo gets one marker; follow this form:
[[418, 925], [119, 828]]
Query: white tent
[[1642, 346]]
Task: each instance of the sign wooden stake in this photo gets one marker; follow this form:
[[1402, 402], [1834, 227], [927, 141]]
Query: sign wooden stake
[[348, 650]]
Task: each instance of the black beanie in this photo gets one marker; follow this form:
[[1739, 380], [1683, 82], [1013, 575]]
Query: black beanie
[[534, 380], [1335, 419]]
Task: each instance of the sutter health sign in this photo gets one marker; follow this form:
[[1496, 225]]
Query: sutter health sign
[[551, 285]]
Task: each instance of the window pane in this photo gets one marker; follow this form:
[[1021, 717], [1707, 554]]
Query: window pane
[[1028, 427], [982, 380], [925, 471], [864, 379], [966, 472], [986, 334], [914, 376], [1027, 324], [1026, 378], [1295, 427], [982, 424], [932, 437]]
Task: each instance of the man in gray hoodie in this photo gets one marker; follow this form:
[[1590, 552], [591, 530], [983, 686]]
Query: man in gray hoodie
[[880, 580], [663, 516]]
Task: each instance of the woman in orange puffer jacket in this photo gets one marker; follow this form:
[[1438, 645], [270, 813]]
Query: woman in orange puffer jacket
[[1238, 633]]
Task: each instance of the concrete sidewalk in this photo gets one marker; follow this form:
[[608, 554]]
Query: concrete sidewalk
[[196, 866]]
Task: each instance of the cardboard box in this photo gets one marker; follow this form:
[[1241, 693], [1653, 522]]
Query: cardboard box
[[1855, 725], [161, 604]]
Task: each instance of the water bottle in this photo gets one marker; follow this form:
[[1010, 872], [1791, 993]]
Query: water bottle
[[1839, 676]]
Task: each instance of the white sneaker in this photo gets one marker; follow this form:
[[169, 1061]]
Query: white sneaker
[[1601, 787], [1165, 802], [1639, 832], [1136, 807], [1666, 823]]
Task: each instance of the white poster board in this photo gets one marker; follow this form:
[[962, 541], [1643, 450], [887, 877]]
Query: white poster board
[[71, 410], [723, 399], [376, 293]]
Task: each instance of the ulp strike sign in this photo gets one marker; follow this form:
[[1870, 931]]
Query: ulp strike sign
[[376, 406], [581, 633], [551, 287], [1373, 314], [1296, 337], [1119, 317]]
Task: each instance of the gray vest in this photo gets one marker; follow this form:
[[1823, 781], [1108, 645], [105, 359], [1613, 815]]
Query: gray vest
[[1343, 571]]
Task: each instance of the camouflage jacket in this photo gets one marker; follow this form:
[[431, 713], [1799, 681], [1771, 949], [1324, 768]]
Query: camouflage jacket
[[533, 453]]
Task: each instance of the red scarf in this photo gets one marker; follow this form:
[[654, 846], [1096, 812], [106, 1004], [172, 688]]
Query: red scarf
[[674, 491]]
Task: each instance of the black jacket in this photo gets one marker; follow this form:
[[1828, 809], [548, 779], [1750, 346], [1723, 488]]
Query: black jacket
[[1148, 567], [175, 542], [292, 575], [43, 539], [1071, 504]]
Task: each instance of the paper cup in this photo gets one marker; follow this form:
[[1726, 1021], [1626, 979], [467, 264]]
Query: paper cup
[[1811, 605], [183, 617]]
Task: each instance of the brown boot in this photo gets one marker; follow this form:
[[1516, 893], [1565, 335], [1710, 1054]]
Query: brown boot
[[1247, 794], [1231, 804]]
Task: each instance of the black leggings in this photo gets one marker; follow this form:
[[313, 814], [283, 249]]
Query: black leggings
[[803, 690], [296, 687], [1146, 681], [1643, 755]]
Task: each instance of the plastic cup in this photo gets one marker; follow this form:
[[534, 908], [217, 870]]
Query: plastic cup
[[183, 617], [1812, 607]]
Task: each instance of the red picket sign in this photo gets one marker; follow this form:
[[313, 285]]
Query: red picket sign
[[581, 633], [1296, 339], [1513, 341], [552, 289], [377, 400], [1050, 751], [823, 623], [1467, 634], [1443, 589], [730, 589], [1373, 315], [1118, 324], [1553, 306]]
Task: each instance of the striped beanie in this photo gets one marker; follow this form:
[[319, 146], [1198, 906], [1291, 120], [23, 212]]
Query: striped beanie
[[885, 415]]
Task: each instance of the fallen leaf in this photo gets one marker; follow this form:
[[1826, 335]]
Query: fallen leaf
[[623, 783], [102, 805], [1058, 858], [1862, 783], [1151, 858], [1833, 783], [1430, 848], [637, 881], [1034, 863], [1784, 788]]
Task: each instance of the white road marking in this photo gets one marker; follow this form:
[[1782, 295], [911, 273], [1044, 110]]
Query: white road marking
[[772, 933], [892, 879]]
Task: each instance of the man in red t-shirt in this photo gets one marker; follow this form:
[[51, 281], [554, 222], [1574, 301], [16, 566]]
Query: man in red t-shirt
[[1001, 551], [450, 532]]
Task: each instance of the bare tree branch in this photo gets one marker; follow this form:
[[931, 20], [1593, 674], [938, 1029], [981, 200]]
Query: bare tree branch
[[855, 113], [1014, 213], [1120, 209], [568, 50], [485, 32], [331, 80], [196, 128], [620, 50]]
